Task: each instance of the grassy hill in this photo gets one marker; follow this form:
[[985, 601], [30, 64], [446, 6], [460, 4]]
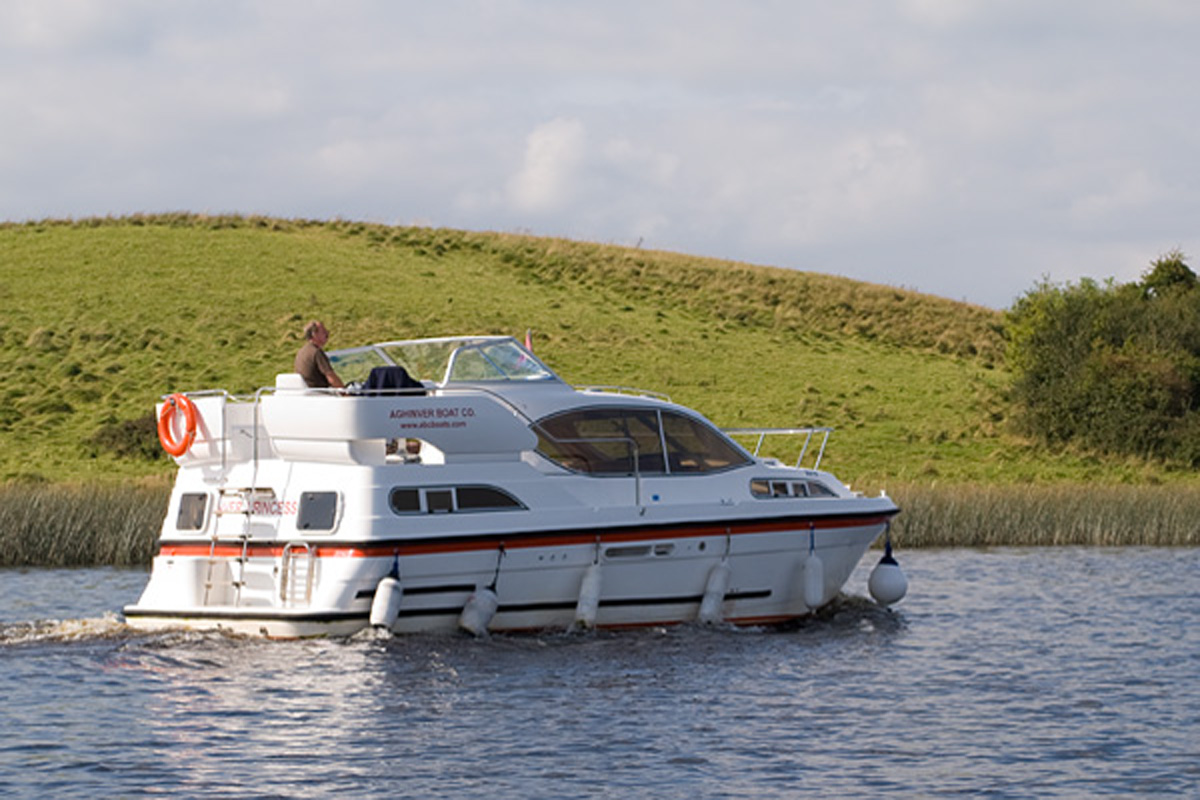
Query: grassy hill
[[103, 316]]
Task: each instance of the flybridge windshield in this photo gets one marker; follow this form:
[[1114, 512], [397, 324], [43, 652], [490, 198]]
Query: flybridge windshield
[[454, 360]]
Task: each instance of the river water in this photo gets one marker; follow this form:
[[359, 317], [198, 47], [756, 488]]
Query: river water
[[1005, 673]]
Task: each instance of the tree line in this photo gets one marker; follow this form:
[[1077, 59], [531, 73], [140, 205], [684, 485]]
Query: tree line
[[1112, 367]]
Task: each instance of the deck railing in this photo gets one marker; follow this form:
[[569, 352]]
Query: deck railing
[[807, 433]]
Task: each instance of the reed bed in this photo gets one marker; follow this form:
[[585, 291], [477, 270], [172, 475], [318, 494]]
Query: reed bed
[[50, 525], [1095, 515], [70, 526]]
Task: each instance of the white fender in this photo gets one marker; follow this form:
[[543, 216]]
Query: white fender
[[814, 581], [478, 612], [385, 607], [888, 583], [714, 594], [589, 598]]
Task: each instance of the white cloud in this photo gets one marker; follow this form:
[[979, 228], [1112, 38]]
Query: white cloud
[[1125, 194], [553, 153]]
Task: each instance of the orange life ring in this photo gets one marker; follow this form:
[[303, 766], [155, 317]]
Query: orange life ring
[[167, 416]]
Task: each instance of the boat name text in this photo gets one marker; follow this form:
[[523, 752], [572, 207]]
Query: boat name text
[[260, 506], [432, 413]]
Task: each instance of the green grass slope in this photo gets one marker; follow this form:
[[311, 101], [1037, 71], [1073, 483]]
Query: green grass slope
[[103, 316]]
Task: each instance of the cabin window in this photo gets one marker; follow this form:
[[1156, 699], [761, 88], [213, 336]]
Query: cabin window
[[818, 489], [318, 511], [603, 441], [608, 440], [449, 499], [693, 446], [439, 501], [484, 498], [760, 487], [405, 501], [192, 508]]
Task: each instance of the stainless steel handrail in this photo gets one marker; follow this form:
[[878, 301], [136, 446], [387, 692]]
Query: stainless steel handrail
[[807, 433]]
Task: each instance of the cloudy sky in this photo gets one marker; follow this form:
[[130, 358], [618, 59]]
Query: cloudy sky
[[966, 149]]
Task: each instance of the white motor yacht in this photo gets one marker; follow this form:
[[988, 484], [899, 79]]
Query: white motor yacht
[[489, 496]]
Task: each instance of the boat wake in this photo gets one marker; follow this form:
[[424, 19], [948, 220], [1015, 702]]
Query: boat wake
[[109, 626], [845, 614], [851, 613]]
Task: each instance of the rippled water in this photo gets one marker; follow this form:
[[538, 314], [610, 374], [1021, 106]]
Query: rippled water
[[1006, 673]]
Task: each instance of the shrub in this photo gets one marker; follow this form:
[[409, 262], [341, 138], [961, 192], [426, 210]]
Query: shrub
[[1115, 368], [131, 438]]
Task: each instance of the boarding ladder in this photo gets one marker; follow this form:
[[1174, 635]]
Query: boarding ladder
[[296, 573], [234, 580]]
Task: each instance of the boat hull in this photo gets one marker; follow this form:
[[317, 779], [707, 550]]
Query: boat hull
[[646, 578]]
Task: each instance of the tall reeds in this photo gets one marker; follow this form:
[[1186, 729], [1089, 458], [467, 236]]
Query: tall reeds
[[1097, 515], [69, 526]]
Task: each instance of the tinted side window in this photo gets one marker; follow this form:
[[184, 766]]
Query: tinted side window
[[439, 501], [693, 446], [763, 487], [475, 498], [405, 501], [450, 499], [603, 441], [818, 489]]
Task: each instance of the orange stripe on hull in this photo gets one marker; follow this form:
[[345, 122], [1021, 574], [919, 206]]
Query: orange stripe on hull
[[472, 543]]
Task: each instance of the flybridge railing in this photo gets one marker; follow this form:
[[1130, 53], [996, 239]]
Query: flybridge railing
[[807, 433]]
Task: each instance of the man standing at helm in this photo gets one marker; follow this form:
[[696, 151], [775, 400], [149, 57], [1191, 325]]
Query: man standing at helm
[[312, 363]]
